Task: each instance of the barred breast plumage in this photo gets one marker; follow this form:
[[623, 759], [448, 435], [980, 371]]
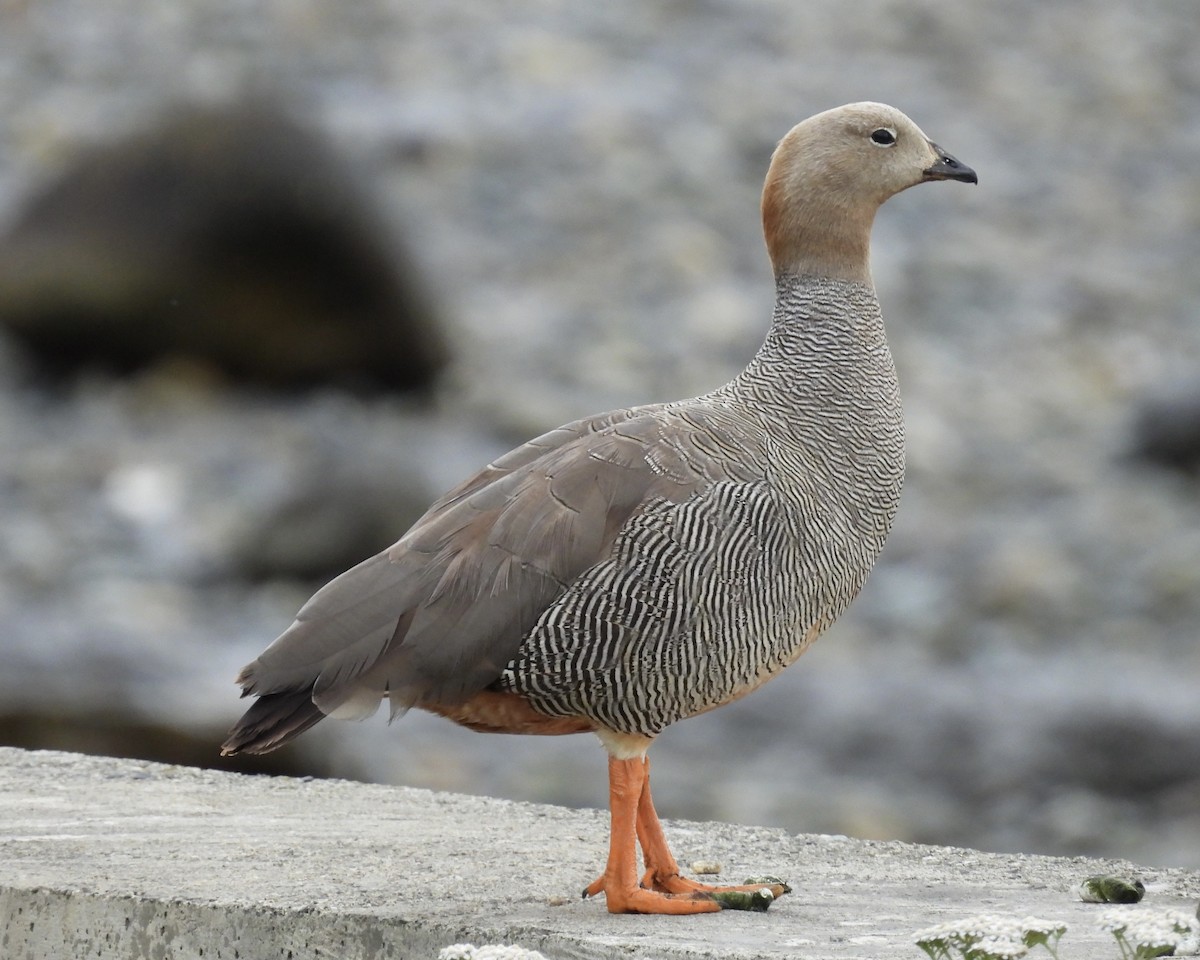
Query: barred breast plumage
[[793, 472], [631, 569]]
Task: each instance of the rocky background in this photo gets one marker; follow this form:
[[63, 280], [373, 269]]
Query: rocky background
[[275, 274]]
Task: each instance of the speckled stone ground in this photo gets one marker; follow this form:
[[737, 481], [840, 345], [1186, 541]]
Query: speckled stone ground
[[581, 182], [109, 858]]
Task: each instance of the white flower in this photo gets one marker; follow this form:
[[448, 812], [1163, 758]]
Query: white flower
[[1157, 930], [982, 937], [990, 937], [491, 951], [1114, 921], [996, 948], [1037, 925], [983, 925]]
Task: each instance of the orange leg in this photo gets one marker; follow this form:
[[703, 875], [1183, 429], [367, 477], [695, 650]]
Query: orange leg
[[626, 786], [662, 871]]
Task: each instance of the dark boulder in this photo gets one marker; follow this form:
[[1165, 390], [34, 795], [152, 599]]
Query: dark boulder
[[1166, 429], [234, 237]]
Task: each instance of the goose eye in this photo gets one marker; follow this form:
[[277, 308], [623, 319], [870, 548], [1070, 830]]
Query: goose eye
[[884, 136]]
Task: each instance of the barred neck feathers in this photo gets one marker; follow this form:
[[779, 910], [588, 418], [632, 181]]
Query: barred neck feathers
[[825, 355]]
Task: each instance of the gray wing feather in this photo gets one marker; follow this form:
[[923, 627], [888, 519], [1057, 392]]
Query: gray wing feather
[[437, 617]]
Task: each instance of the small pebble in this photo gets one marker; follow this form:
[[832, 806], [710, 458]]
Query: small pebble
[[706, 868], [1105, 889]]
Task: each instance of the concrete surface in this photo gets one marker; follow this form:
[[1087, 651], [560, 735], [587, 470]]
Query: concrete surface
[[104, 858]]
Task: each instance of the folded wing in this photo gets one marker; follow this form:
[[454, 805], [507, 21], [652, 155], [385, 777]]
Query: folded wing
[[437, 616]]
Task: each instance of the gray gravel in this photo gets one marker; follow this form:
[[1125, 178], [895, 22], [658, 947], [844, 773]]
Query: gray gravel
[[580, 182]]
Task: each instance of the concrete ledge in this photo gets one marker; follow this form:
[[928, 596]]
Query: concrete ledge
[[104, 858]]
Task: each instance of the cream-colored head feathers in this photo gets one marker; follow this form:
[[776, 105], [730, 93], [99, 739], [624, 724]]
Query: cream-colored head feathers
[[830, 174]]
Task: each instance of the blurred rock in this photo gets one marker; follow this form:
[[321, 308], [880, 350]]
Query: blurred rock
[[1121, 752], [324, 526], [117, 734], [230, 236], [1166, 429]]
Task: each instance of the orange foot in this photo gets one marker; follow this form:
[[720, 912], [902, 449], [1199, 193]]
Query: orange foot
[[680, 895], [677, 884], [662, 871], [662, 889], [634, 899]]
